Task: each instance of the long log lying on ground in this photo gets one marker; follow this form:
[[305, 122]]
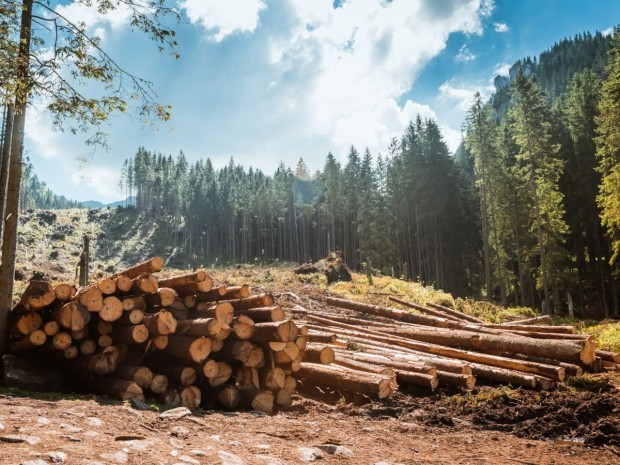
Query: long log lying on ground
[[347, 379], [570, 351], [566, 329], [608, 356], [455, 313], [492, 360], [422, 309], [545, 319]]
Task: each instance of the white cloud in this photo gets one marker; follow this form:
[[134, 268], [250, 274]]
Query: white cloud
[[501, 69], [500, 27], [607, 32], [223, 18], [79, 12], [47, 142], [101, 180], [452, 137], [464, 55], [360, 59], [463, 96]]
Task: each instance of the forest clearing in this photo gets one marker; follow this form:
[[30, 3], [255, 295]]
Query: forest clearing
[[576, 420]]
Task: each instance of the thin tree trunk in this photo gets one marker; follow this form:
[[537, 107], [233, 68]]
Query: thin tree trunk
[[9, 243], [4, 166]]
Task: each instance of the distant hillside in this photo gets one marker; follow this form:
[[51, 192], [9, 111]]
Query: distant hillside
[[129, 201]]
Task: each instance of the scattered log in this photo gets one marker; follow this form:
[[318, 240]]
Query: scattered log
[[455, 313], [608, 356], [456, 379], [344, 378], [545, 319], [422, 309]]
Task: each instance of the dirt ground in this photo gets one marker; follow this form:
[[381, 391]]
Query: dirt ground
[[98, 431]]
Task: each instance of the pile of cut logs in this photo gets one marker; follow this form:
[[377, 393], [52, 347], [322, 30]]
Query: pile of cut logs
[[179, 340], [442, 346], [185, 342]]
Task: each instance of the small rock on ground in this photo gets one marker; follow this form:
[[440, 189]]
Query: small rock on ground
[[175, 413], [57, 457], [230, 459], [309, 454], [34, 462], [334, 449], [119, 457]]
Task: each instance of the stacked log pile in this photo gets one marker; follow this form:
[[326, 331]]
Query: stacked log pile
[[184, 341], [442, 346], [180, 340]]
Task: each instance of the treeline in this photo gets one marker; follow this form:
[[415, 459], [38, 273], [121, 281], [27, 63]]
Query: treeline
[[411, 213], [36, 195], [526, 213]]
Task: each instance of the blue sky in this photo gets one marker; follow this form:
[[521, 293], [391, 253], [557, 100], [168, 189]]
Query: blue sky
[[266, 81]]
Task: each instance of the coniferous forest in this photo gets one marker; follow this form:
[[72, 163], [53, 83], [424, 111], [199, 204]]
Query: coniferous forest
[[525, 213]]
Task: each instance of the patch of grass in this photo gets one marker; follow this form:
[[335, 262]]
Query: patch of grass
[[491, 394], [587, 382]]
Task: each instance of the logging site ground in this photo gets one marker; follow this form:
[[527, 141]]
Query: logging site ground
[[578, 422]]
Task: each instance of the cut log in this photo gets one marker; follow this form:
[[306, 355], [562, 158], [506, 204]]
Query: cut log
[[159, 385], [256, 358], [290, 384], [112, 309], [256, 301], [50, 328], [107, 286], [189, 301], [455, 313], [223, 333], [105, 340], [163, 297], [35, 339], [570, 368], [347, 379], [263, 402], [197, 288], [130, 334], [301, 342], [61, 340], [492, 360], [263, 314], [72, 316], [279, 331], [216, 344], [88, 347], [243, 327], [213, 294], [104, 327], [131, 317], [315, 335], [129, 304], [456, 379], [283, 398], [25, 324], [184, 279], [429, 381], [235, 350], [38, 295], [571, 351], [80, 334], [118, 388], [545, 319], [608, 356], [369, 368], [198, 327], [272, 378], [229, 397], [153, 265], [160, 342], [194, 349], [139, 303], [64, 291], [170, 398], [428, 311], [223, 374], [319, 354], [144, 284], [90, 297], [567, 329], [97, 364], [70, 353], [236, 292], [248, 379], [190, 397], [162, 323], [222, 311], [123, 283], [210, 368], [418, 366], [141, 375]]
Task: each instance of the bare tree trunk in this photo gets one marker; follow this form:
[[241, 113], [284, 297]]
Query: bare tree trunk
[[85, 261], [4, 166], [9, 243]]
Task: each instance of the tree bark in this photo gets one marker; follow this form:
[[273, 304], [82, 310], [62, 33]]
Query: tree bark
[[4, 166]]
